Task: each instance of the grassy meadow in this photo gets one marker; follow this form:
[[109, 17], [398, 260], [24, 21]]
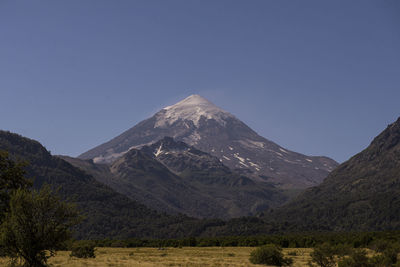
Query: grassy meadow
[[186, 256]]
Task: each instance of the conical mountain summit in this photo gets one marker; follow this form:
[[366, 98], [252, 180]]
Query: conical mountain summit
[[191, 109], [201, 124]]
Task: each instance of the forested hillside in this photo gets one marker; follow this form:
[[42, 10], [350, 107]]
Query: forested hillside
[[361, 194], [107, 213]]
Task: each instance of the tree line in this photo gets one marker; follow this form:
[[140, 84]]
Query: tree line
[[296, 240]]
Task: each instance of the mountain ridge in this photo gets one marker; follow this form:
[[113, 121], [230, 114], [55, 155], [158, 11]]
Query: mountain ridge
[[201, 124], [108, 214], [361, 194], [172, 176]]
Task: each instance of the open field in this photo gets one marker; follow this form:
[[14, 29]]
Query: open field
[[187, 256]]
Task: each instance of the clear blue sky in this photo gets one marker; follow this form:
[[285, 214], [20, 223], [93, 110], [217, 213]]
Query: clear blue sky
[[317, 77]]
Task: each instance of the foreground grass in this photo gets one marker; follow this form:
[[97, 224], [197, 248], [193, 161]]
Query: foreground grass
[[187, 256]]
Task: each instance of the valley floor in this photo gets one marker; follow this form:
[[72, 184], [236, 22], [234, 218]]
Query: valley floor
[[187, 256]]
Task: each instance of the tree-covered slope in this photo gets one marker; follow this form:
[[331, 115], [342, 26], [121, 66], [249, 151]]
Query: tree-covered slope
[[108, 213], [361, 194]]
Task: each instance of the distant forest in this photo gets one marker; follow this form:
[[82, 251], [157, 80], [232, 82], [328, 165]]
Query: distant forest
[[297, 240]]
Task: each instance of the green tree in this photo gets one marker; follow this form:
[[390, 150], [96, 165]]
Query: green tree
[[37, 222], [11, 178], [269, 255]]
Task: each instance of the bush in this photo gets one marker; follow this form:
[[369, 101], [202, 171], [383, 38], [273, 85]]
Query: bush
[[390, 253], [2, 252], [323, 255], [118, 244], [380, 261], [342, 250], [83, 250], [358, 258], [380, 245], [269, 255]]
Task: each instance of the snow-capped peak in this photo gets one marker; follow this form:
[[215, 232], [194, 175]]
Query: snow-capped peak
[[191, 108], [192, 101]]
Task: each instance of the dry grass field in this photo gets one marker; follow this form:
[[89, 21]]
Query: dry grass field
[[187, 256]]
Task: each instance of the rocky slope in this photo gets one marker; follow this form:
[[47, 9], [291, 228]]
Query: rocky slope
[[174, 177], [201, 124]]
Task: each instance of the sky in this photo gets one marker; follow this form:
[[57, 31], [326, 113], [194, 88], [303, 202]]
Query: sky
[[316, 77]]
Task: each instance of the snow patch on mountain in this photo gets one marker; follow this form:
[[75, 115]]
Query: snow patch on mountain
[[192, 108], [244, 164], [159, 151], [251, 143], [108, 158], [193, 138], [283, 150], [236, 155], [293, 162], [254, 165]]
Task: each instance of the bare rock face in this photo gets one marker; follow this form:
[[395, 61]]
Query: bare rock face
[[199, 123]]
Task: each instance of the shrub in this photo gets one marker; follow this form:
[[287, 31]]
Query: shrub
[[358, 258], [269, 255], [323, 255], [379, 245], [390, 253], [83, 250], [342, 250], [118, 244], [379, 261], [2, 252]]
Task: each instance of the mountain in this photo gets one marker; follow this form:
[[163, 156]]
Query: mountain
[[173, 177], [108, 214], [201, 124], [362, 194]]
